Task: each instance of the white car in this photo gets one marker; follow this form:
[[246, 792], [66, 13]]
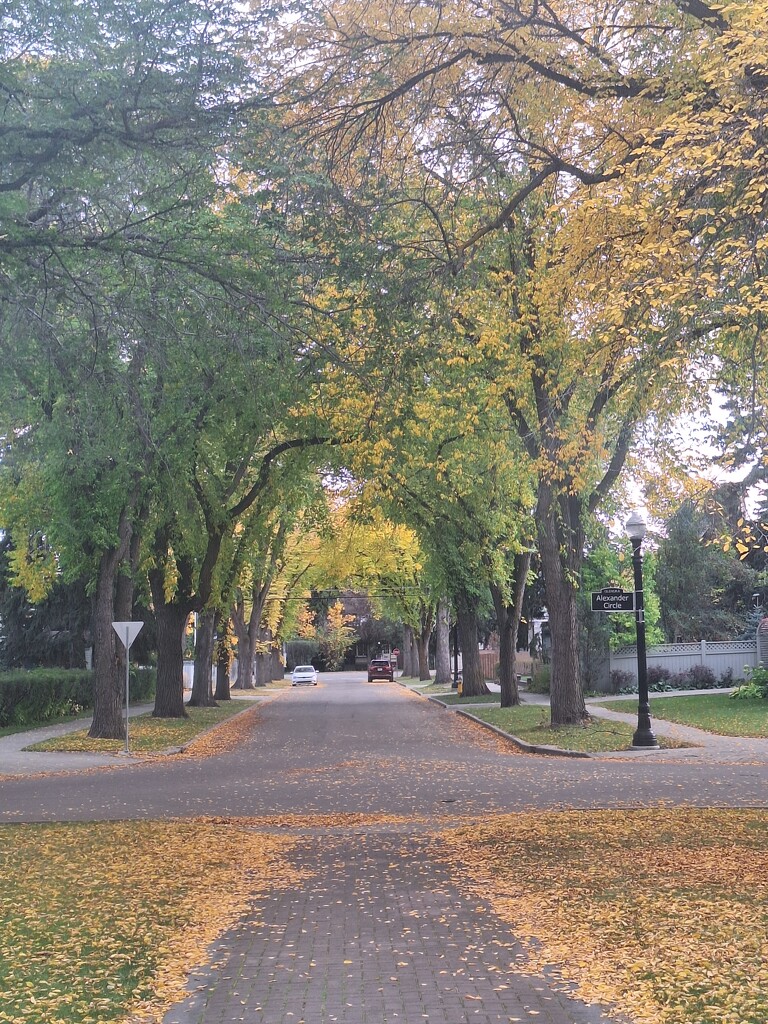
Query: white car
[[304, 675]]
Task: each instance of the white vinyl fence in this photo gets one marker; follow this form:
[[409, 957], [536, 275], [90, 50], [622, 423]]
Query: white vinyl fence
[[719, 656]]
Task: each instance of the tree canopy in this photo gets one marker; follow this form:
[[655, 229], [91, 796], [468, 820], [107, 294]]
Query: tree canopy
[[477, 250]]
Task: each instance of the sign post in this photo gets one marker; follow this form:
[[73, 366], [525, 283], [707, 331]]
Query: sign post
[[127, 631]]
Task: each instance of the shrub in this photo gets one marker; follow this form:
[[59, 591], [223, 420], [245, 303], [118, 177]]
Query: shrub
[[657, 674], [726, 679], [754, 687], [699, 677], [40, 695], [622, 682], [540, 680], [142, 684]]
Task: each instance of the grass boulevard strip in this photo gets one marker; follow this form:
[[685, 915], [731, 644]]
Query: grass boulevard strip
[[659, 913], [715, 713]]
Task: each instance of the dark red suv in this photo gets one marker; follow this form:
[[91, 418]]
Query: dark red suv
[[380, 668]]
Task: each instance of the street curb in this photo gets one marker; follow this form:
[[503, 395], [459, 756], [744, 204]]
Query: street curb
[[219, 725], [528, 748]]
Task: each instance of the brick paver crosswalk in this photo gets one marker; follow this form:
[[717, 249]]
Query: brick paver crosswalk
[[377, 934]]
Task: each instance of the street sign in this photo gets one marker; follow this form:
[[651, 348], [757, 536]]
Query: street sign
[[127, 631], [613, 599]]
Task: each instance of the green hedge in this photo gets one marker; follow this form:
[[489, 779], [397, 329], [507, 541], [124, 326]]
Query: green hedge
[[43, 695], [540, 680], [142, 686]]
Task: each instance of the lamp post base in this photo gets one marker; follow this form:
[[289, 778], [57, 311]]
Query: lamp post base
[[644, 740]]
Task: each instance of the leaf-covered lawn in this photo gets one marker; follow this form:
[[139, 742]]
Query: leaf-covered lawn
[[150, 735], [663, 913], [713, 712], [100, 919], [530, 723]]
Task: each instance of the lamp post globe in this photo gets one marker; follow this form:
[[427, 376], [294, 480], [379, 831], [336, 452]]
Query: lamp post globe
[[636, 527], [643, 738]]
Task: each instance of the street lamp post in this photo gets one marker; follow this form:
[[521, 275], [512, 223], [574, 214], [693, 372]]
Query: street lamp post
[[643, 737]]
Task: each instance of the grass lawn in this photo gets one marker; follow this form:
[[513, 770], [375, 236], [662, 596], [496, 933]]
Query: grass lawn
[[424, 686], [661, 912], [150, 735], [531, 724], [713, 712]]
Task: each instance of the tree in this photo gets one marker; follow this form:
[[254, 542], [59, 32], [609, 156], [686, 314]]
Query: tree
[[49, 632], [706, 592], [336, 635], [579, 289], [111, 134]]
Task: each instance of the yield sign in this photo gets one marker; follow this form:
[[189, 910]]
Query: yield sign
[[127, 631]]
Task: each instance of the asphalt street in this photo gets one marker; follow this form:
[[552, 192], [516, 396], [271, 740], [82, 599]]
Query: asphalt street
[[348, 746]]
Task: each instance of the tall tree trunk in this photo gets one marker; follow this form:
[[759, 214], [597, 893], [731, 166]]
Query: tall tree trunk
[[223, 658], [245, 639], [263, 658], [508, 615], [443, 675], [108, 680], [201, 696], [410, 655], [422, 641], [555, 543], [107, 686], [278, 668], [171, 618], [473, 680], [422, 653]]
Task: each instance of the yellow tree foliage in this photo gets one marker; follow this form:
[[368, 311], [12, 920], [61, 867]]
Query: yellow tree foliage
[[584, 185]]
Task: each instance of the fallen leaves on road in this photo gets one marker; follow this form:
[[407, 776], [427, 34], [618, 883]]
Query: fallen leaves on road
[[661, 913], [226, 736]]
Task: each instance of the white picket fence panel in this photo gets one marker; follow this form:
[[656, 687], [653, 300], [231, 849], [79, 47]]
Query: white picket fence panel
[[719, 656]]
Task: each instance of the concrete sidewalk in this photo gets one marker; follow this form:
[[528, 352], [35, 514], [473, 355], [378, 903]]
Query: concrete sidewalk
[[16, 760]]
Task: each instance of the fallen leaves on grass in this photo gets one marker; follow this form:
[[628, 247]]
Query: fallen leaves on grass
[[104, 919], [152, 735], [713, 712], [661, 913], [530, 723]]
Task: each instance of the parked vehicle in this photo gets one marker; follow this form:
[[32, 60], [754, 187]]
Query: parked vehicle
[[380, 668], [304, 675]]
